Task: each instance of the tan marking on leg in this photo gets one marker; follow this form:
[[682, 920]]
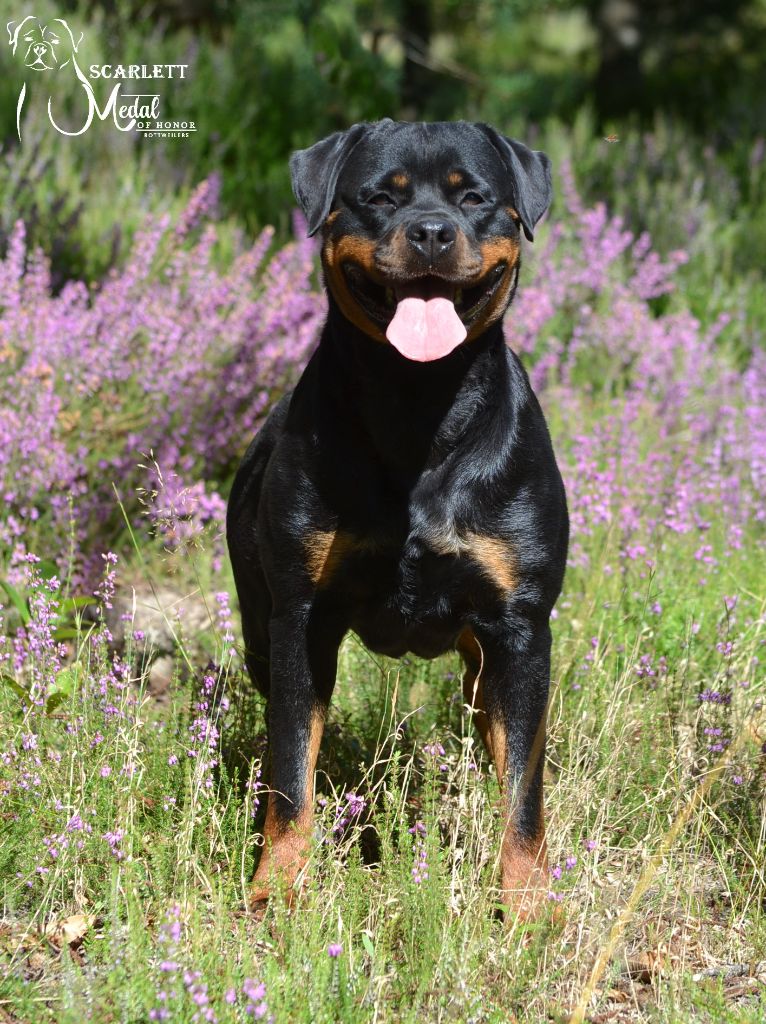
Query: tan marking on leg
[[322, 549], [493, 555], [496, 559], [286, 848], [499, 751], [524, 859], [326, 550], [524, 872]]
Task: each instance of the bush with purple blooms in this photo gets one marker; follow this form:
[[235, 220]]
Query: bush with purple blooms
[[131, 819], [659, 431], [153, 382], [154, 379]]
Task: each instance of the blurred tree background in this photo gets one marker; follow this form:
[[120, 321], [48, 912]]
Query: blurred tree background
[[679, 88]]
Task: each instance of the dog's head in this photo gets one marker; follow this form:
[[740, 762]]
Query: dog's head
[[48, 47], [421, 226]]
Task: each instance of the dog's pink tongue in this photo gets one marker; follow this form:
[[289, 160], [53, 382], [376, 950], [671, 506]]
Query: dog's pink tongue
[[425, 329]]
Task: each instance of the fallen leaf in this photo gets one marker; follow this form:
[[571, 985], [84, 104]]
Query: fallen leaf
[[645, 966], [71, 930]]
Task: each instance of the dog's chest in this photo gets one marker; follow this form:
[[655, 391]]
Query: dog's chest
[[416, 595], [407, 601]]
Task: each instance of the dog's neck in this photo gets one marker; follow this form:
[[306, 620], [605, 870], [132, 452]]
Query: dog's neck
[[413, 414]]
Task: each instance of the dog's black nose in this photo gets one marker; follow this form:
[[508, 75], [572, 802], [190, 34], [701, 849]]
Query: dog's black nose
[[432, 236]]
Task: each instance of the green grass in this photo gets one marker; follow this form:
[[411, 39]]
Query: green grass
[[626, 753]]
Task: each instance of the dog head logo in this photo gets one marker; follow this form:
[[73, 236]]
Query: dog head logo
[[38, 46], [49, 47]]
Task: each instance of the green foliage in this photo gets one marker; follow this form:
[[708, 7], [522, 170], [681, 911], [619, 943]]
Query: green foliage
[[278, 85], [625, 752], [687, 195], [266, 78], [626, 748]]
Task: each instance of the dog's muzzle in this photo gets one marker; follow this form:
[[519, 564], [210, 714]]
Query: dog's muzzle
[[36, 57]]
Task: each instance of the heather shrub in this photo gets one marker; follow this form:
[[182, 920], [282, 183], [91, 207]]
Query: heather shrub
[[688, 192], [155, 380], [83, 204], [658, 427], [131, 826], [169, 357]]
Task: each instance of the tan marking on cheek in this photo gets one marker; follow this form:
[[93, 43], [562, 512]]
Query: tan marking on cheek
[[465, 263], [498, 250], [332, 218], [392, 255], [400, 181], [353, 248], [454, 178], [496, 307], [513, 213], [493, 252], [361, 251]]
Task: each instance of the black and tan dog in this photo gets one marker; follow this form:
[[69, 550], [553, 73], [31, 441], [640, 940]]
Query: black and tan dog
[[407, 488]]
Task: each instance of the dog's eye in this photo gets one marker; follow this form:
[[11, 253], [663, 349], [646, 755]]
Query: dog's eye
[[381, 199], [471, 199]]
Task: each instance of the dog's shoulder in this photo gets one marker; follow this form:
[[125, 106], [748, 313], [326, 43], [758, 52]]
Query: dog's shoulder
[[247, 482]]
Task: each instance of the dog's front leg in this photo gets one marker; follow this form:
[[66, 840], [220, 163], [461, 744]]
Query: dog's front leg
[[303, 666], [510, 698]]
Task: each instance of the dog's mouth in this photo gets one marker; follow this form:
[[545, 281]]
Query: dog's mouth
[[426, 318], [38, 64]]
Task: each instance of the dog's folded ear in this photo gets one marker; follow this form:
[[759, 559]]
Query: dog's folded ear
[[530, 172], [315, 172], [14, 28]]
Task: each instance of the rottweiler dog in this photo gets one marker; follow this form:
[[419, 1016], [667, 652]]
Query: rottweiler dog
[[407, 488]]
